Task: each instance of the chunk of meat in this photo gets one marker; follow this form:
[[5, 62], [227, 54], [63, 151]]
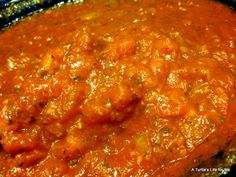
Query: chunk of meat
[[73, 146], [123, 46], [220, 100], [29, 158], [67, 104], [80, 39], [158, 46], [174, 80], [48, 168], [168, 141], [196, 129], [14, 142], [117, 103], [81, 66], [171, 103]]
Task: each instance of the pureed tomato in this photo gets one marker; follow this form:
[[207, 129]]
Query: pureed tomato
[[117, 88]]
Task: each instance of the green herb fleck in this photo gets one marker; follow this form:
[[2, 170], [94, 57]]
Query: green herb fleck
[[166, 130]]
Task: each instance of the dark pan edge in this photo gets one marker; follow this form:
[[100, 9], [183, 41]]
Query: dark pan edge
[[13, 11]]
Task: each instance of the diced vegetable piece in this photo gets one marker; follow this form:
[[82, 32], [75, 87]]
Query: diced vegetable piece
[[171, 103], [119, 48], [20, 141], [119, 102], [26, 159], [143, 147], [48, 168]]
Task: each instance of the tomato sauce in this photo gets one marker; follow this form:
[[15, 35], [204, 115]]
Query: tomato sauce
[[117, 88]]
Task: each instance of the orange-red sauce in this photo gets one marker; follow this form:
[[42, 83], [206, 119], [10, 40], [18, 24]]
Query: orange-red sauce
[[117, 88]]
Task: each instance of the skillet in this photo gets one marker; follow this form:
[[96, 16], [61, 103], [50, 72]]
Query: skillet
[[13, 10]]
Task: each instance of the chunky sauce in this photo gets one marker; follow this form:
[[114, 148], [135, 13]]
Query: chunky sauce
[[117, 88]]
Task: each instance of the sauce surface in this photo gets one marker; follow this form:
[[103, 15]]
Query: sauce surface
[[117, 88]]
